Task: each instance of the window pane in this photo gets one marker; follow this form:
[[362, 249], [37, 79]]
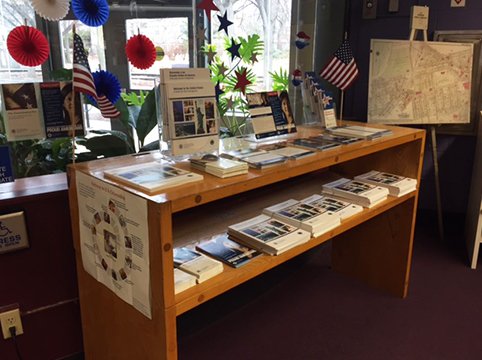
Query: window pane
[[172, 35], [15, 13]]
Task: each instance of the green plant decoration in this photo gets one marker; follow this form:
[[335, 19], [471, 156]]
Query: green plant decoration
[[280, 80]]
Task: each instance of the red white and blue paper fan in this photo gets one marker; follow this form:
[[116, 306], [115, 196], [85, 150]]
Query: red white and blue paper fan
[[297, 77], [91, 12], [141, 52], [52, 10], [28, 46], [106, 84], [302, 40]]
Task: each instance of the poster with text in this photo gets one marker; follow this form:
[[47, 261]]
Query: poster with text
[[114, 240], [6, 169], [21, 106]]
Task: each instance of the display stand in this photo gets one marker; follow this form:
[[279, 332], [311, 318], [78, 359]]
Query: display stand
[[419, 22], [374, 246]]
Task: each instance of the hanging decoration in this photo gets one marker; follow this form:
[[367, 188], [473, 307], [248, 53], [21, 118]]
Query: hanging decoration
[[297, 77], [52, 10], [207, 6], [141, 52], [234, 49], [242, 80], [302, 40], [159, 53], [106, 84], [28, 46], [224, 23], [91, 12]]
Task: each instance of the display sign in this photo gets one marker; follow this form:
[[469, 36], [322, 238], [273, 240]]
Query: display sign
[[6, 171], [13, 232]]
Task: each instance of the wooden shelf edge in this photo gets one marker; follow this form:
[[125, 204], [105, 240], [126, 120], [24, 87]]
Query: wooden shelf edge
[[231, 277]]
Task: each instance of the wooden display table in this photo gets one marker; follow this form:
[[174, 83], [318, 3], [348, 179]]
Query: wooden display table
[[374, 246]]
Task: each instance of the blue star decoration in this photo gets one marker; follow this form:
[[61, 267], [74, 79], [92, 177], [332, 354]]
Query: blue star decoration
[[224, 22], [234, 49], [218, 90]]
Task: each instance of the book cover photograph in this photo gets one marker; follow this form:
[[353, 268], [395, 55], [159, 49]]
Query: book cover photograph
[[199, 265], [358, 191], [194, 117], [152, 177], [397, 185], [343, 208], [228, 251]]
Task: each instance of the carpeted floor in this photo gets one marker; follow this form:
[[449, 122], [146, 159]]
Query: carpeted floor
[[304, 310]]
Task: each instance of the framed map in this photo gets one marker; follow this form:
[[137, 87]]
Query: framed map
[[474, 37], [417, 82]]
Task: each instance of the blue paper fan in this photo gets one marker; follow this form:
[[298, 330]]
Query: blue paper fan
[[91, 12], [106, 84]]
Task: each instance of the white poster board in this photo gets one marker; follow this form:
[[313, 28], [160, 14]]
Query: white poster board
[[418, 82], [114, 240]]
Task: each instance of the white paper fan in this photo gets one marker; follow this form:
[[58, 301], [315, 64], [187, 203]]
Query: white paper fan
[[53, 10]]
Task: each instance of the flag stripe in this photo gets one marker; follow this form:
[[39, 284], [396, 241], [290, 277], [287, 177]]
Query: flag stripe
[[341, 70]]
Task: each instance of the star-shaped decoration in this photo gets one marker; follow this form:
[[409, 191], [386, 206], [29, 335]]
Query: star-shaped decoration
[[25, 97], [224, 22], [230, 103], [234, 49], [207, 6], [210, 54], [218, 90], [201, 33], [254, 58], [242, 80], [222, 69]]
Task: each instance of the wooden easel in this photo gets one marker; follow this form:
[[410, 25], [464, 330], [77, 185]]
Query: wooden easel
[[415, 27]]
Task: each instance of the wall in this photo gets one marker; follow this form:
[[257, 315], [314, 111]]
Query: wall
[[42, 278], [455, 153]]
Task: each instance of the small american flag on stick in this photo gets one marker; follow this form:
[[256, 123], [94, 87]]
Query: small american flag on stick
[[83, 80], [341, 70]]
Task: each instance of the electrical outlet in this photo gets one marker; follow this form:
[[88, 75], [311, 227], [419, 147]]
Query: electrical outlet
[[8, 319]]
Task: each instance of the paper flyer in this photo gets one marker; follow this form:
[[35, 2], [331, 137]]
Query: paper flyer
[[58, 109], [114, 240], [6, 169], [21, 105]]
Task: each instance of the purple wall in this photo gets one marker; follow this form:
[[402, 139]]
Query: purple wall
[[455, 153]]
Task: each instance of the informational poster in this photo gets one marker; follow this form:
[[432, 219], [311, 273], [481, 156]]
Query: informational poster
[[114, 240], [21, 105], [6, 169], [58, 109]]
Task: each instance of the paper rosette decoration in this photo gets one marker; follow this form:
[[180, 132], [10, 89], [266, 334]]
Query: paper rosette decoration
[[141, 52], [28, 46], [106, 84], [91, 12], [53, 10]]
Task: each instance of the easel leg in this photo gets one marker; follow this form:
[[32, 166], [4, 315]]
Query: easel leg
[[437, 182]]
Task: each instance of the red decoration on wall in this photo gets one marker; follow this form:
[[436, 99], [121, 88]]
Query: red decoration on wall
[[207, 6], [28, 46], [141, 52]]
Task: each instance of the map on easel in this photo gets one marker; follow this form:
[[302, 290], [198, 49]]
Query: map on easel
[[419, 82]]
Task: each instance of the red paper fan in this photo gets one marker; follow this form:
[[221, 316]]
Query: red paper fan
[[28, 46], [141, 52]]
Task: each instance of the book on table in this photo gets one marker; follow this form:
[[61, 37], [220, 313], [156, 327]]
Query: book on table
[[268, 235], [340, 139], [359, 192], [315, 219], [200, 266], [397, 185], [286, 150], [317, 143], [183, 280], [257, 159], [364, 132], [228, 251], [218, 166], [343, 208], [152, 177]]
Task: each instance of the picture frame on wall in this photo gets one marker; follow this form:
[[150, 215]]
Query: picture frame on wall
[[474, 37]]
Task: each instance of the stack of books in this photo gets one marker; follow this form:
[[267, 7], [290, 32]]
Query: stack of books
[[315, 219], [359, 192], [182, 280], [291, 152], [344, 209], [218, 166], [397, 185], [339, 139], [228, 251], [316, 143], [152, 177], [268, 235], [364, 132], [196, 264]]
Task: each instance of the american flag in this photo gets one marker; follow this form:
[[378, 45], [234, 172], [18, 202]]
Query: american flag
[[341, 70], [83, 80]]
